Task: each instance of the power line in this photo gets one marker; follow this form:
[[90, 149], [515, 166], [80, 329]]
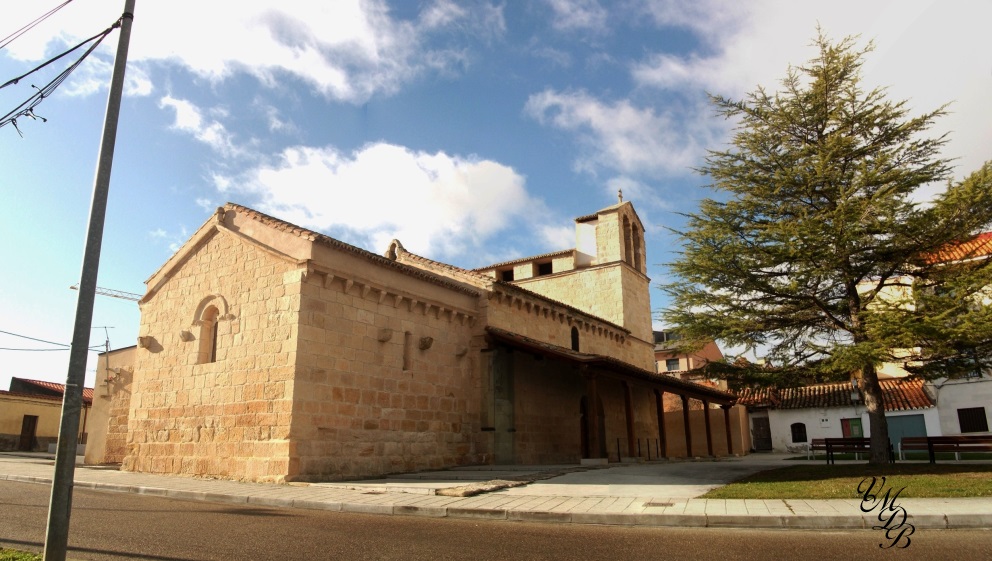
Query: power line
[[26, 108], [66, 347], [10, 38], [34, 339], [39, 350]]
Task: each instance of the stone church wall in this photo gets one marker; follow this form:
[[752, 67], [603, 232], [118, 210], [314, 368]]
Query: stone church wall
[[388, 380], [228, 418]]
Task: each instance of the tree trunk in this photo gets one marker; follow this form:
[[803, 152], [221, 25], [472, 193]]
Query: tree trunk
[[877, 423]]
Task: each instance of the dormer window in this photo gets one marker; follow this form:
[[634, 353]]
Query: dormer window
[[544, 269], [506, 276]]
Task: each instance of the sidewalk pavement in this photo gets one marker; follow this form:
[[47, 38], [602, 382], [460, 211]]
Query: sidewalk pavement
[[649, 494]]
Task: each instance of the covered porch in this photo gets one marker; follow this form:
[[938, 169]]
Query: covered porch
[[547, 403]]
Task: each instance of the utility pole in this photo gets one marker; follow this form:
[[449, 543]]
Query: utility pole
[[57, 532]]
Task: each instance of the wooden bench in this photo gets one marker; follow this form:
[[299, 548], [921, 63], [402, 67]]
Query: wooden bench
[[834, 445], [956, 444], [815, 445]]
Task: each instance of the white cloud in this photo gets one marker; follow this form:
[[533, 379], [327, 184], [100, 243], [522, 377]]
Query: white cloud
[[927, 52], [634, 190], [205, 204], [556, 57], [347, 49], [558, 237], [622, 137], [436, 204], [586, 15], [708, 18], [274, 118], [94, 75], [190, 119], [441, 13], [173, 241]]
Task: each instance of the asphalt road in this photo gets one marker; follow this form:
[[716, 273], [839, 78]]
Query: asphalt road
[[114, 526]]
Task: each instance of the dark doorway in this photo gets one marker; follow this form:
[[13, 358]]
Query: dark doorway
[[761, 434], [29, 427], [585, 432]]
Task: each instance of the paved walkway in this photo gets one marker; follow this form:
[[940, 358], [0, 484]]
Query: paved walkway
[[652, 494]]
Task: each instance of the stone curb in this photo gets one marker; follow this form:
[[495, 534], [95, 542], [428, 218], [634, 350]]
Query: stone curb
[[784, 521]]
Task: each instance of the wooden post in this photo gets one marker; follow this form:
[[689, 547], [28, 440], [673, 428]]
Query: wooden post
[[659, 404], [726, 423], [709, 431], [685, 420], [592, 391], [629, 413]]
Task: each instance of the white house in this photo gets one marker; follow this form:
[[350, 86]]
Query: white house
[[787, 419]]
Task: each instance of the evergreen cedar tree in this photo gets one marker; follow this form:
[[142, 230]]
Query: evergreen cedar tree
[[814, 250]]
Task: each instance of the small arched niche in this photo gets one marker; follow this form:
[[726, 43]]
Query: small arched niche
[[207, 317]]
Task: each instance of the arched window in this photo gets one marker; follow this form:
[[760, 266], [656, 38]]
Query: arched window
[[798, 432], [628, 244], [575, 339], [208, 336], [636, 235]]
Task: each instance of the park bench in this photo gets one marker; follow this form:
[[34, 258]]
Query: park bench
[[835, 445], [956, 444]]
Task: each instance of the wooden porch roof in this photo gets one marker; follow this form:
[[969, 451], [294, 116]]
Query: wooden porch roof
[[613, 367]]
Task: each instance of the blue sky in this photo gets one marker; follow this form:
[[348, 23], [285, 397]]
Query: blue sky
[[473, 131]]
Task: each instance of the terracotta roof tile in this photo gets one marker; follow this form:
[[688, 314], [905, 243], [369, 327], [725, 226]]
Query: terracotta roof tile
[[317, 237], [978, 246], [52, 398], [900, 394], [757, 397], [59, 388], [487, 282], [525, 259]]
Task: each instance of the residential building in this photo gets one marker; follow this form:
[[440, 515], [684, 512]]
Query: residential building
[[31, 415], [788, 419]]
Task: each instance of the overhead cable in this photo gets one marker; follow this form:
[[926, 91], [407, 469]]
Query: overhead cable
[[26, 109], [10, 38], [63, 345], [33, 339]]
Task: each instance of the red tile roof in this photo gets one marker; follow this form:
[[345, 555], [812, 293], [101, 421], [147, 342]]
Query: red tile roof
[[52, 398], [60, 388], [559, 253], [978, 246], [900, 394]]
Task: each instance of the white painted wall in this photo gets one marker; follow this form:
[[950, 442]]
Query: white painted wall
[[585, 243], [820, 423], [825, 423], [959, 394]]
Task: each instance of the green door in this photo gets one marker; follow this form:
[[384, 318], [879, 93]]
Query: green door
[[905, 425]]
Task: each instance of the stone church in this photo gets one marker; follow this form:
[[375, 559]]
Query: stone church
[[270, 352]]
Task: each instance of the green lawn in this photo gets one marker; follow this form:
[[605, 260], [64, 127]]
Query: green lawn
[[13, 555], [924, 456], [841, 481]]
